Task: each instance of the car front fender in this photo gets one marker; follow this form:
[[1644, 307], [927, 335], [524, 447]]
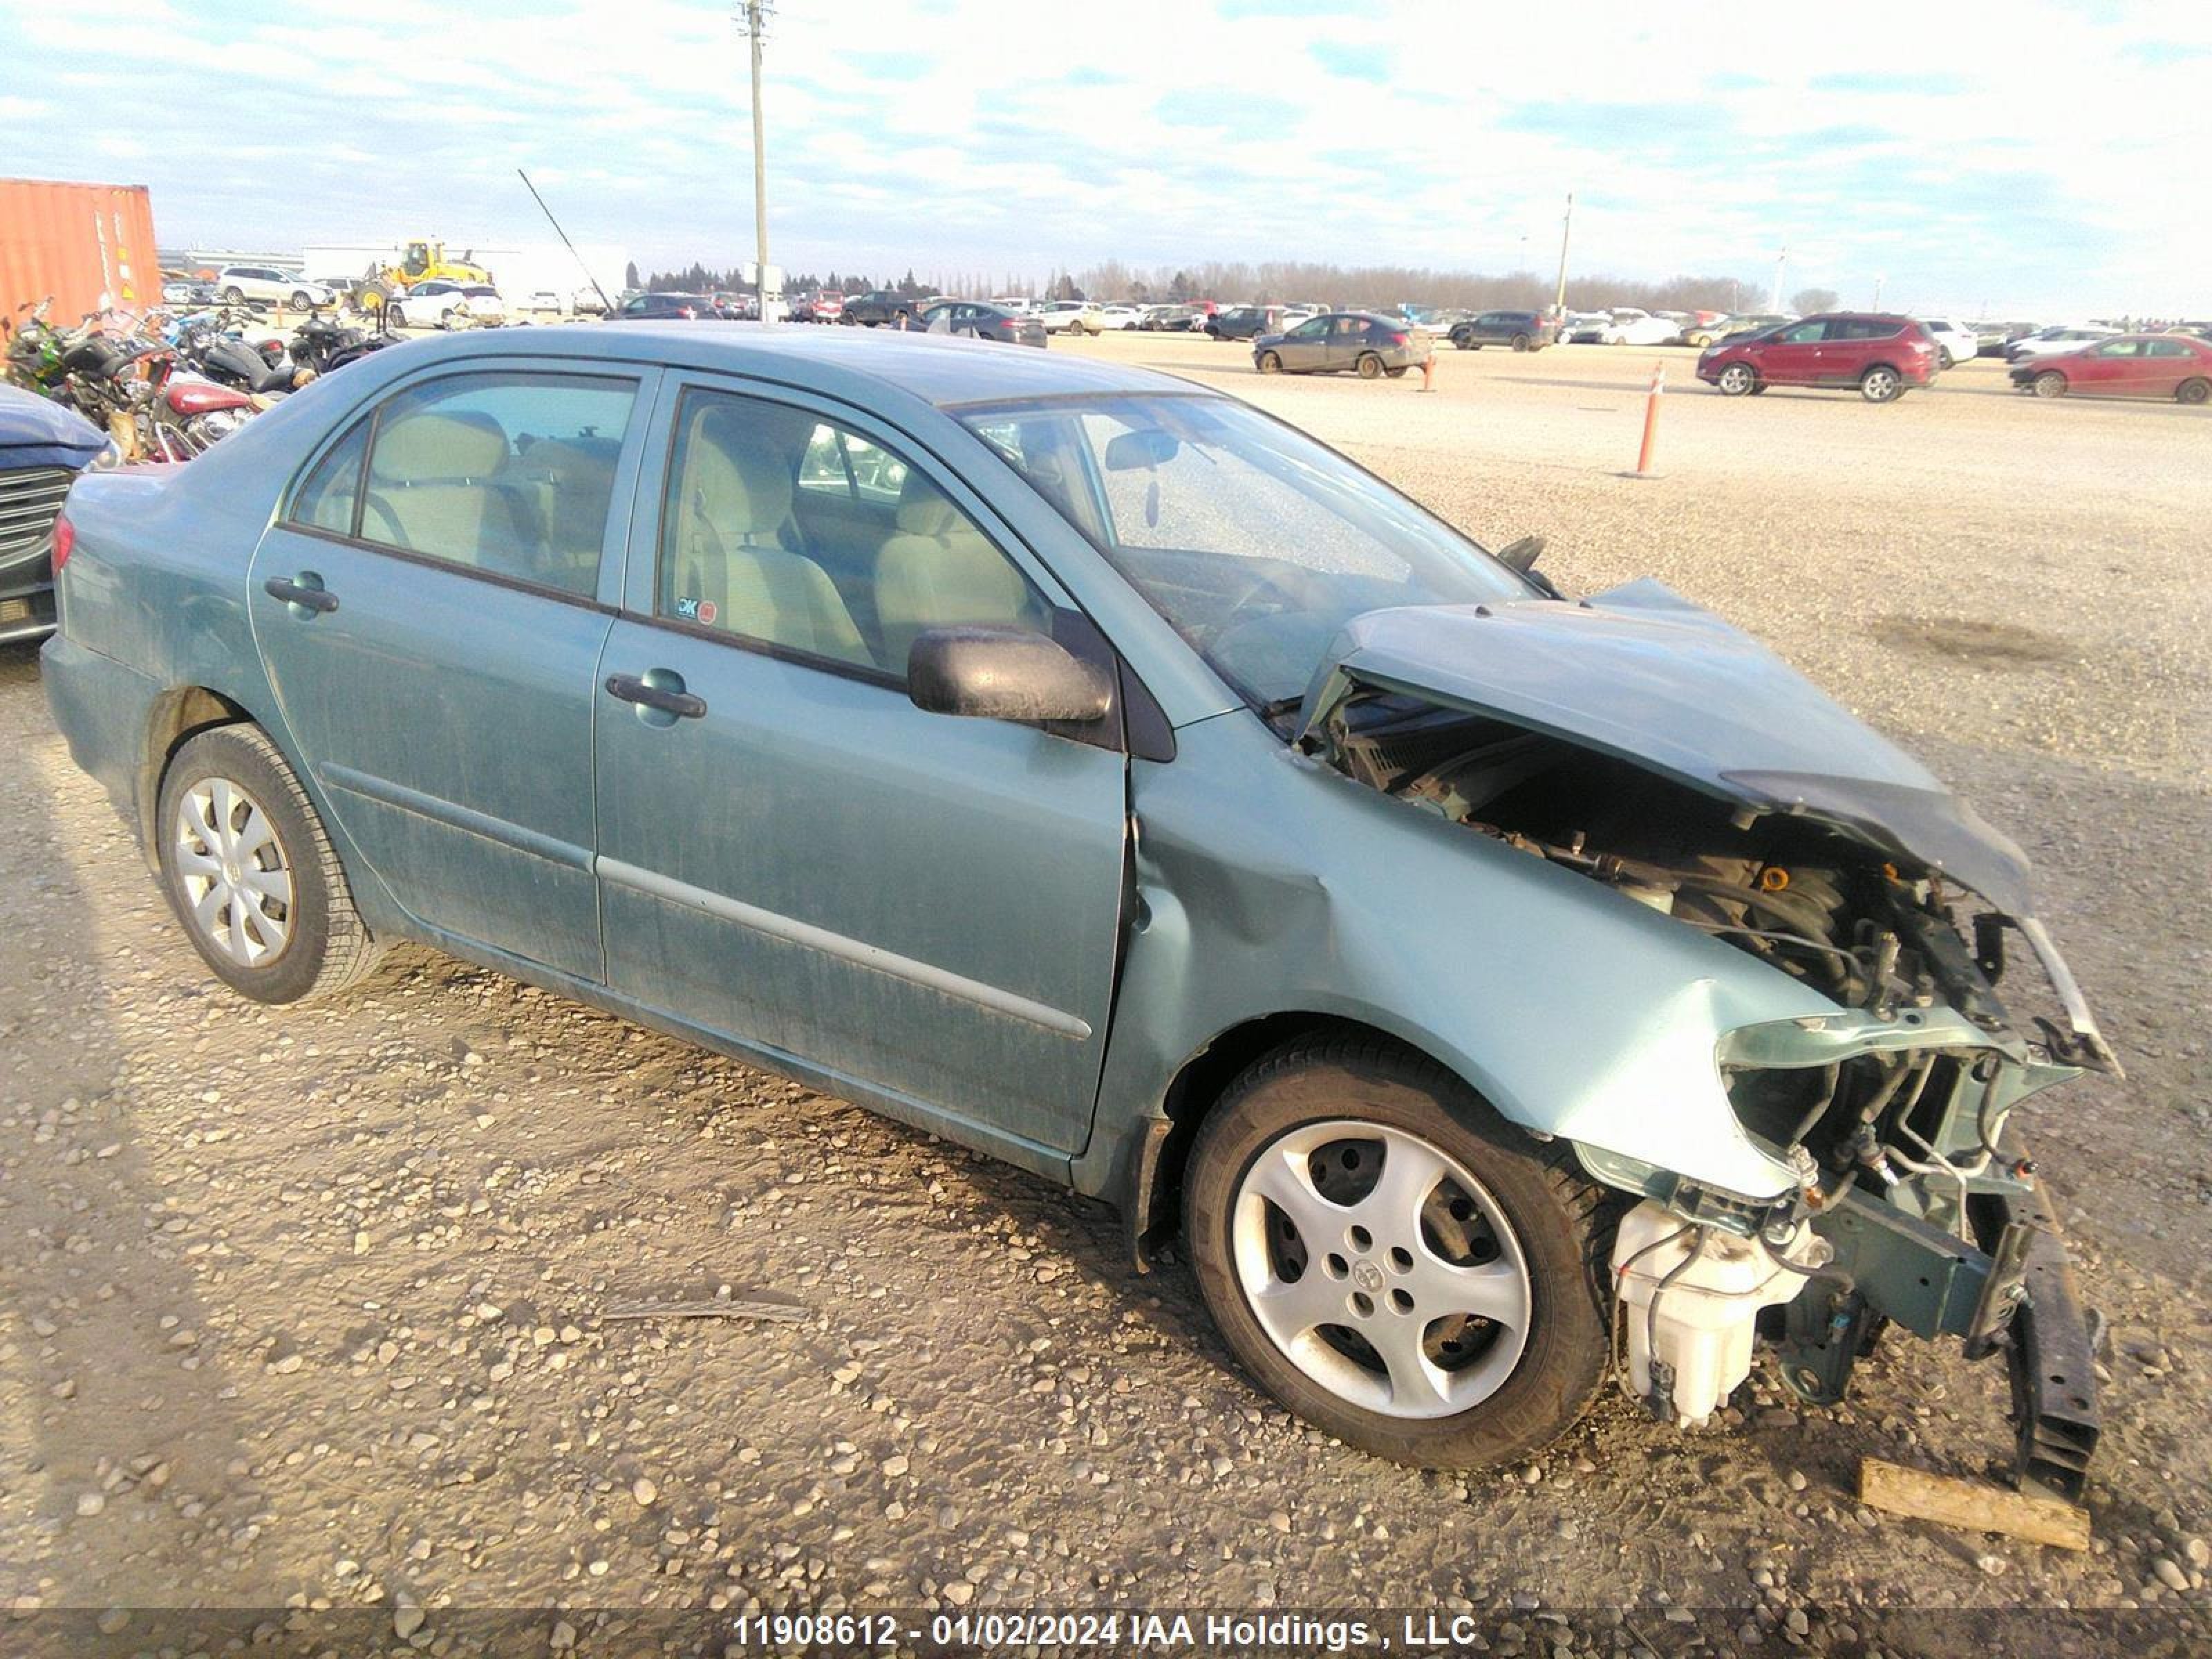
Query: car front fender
[[1266, 883]]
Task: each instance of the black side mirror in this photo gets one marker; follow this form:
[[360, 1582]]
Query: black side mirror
[[1522, 554], [1003, 674]]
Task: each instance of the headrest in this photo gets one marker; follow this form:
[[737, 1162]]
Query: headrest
[[426, 447], [923, 509], [755, 488]]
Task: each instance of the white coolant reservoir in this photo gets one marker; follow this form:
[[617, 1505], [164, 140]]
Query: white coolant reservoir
[[1695, 1321]]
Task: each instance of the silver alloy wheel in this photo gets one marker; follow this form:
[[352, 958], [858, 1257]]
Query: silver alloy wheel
[[1880, 385], [236, 881], [1736, 380], [1381, 1267]]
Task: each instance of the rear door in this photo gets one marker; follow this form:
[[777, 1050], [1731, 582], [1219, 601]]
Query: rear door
[[430, 608], [921, 909]]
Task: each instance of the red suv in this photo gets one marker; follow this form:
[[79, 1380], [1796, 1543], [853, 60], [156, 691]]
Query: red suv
[[1881, 355]]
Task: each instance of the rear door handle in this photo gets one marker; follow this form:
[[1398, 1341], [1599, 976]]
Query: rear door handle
[[317, 598], [631, 689]]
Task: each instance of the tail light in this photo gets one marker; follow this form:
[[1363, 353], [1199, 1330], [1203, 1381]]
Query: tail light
[[1401, 339], [64, 539]]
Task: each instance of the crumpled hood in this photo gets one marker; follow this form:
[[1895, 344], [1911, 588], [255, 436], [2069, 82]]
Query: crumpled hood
[[1641, 673], [35, 431]]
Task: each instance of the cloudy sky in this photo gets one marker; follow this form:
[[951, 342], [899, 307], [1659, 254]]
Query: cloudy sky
[[2027, 157]]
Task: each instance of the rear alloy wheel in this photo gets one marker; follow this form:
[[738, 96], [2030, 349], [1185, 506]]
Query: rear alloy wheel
[[1520, 343], [1269, 363], [2193, 391], [1370, 366], [1881, 385], [1394, 1263], [1943, 357], [251, 874], [2050, 383], [1736, 380]]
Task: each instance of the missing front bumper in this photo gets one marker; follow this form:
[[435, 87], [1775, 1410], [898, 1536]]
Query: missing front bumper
[[2017, 1294]]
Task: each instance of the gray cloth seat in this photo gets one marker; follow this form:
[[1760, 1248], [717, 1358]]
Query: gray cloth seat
[[937, 570], [437, 484], [731, 522]]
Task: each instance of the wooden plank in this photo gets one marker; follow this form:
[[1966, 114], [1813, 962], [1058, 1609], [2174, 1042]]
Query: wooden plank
[[1971, 1505]]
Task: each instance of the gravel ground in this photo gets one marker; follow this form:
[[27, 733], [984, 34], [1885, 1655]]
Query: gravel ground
[[309, 1308]]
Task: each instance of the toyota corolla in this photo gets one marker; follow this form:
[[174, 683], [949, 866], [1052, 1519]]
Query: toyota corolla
[[1494, 991]]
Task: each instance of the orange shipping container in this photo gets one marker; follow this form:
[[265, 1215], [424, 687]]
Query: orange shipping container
[[80, 243]]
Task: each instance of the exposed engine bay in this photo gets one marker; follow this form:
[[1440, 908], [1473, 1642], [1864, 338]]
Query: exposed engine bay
[[1898, 1135]]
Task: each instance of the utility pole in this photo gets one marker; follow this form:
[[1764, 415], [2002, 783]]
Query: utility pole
[[1566, 229], [1780, 265], [1878, 281], [755, 22]]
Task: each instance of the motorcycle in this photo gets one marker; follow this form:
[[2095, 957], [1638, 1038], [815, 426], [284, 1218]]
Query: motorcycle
[[202, 340], [321, 345]]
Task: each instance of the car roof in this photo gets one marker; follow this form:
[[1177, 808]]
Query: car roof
[[937, 368]]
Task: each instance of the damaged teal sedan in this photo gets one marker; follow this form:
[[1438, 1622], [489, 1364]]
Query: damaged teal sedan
[[1496, 992]]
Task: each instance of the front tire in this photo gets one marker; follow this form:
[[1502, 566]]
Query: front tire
[[1269, 363], [301, 302], [1881, 385], [1370, 366], [234, 296], [251, 872], [1393, 1261], [2050, 383], [1736, 380]]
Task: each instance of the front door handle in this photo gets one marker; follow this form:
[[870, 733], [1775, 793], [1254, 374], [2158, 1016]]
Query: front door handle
[[631, 689], [307, 592]]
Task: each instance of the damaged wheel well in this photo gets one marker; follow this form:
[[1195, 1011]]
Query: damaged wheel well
[[1153, 1207]]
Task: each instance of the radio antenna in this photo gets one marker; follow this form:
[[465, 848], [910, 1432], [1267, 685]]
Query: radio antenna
[[563, 235]]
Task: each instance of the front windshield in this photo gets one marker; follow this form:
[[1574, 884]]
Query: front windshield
[[1254, 542]]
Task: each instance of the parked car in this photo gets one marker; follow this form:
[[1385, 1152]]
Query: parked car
[[240, 285], [2056, 341], [1704, 334], [189, 293], [1173, 320], [43, 445], [1070, 317], [880, 308], [977, 320], [441, 302], [1629, 326], [1015, 305], [1883, 356], [1143, 792], [1362, 342], [2176, 366], [1583, 327], [1244, 322], [1523, 331], [1120, 317], [1955, 343], [660, 307]]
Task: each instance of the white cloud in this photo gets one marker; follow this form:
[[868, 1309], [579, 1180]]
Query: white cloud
[[2026, 153]]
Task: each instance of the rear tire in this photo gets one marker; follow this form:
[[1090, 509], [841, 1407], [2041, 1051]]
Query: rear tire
[[1438, 1386], [1943, 358], [1520, 343], [1370, 366], [250, 874], [1881, 385], [2050, 383], [2193, 391]]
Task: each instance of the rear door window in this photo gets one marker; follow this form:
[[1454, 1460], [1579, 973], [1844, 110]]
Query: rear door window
[[511, 474]]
